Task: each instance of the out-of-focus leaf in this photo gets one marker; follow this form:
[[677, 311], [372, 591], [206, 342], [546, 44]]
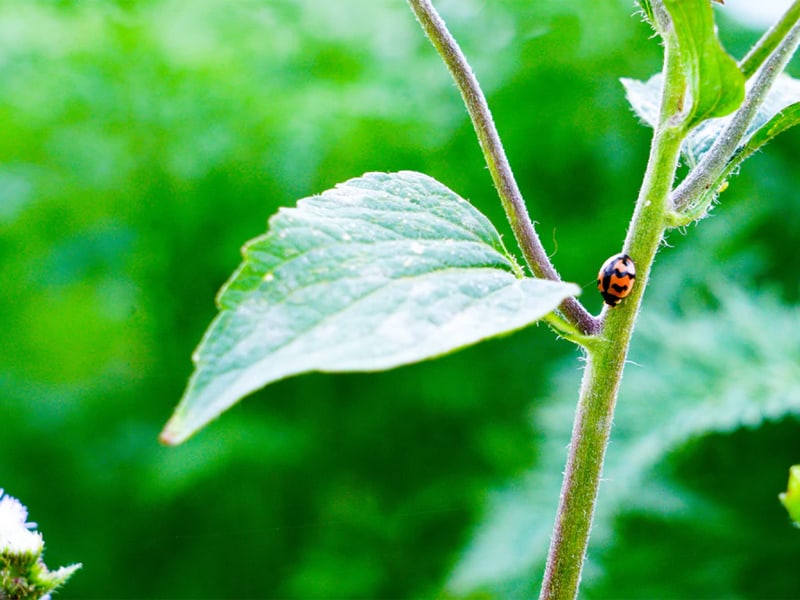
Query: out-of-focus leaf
[[381, 271], [738, 368], [791, 497]]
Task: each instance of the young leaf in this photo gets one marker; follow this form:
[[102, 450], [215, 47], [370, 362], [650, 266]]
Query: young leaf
[[763, 128], [777, 113], [753, 141], [787, 118], [381, 271], [716, 85]]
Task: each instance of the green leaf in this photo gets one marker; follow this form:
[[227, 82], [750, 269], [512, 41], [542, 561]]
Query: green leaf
[[791, 497], [716, 85], [787, 118], [777, 113], [381, 271]]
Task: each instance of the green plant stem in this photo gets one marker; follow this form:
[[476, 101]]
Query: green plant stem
[[706, 174], [606, 358], [769, 41], [603, 373], [496, 159]]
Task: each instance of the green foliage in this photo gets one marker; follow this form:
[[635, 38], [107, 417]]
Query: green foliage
[[778, 113], [381, 271], [786, 118], [144, 140], [791, 497]]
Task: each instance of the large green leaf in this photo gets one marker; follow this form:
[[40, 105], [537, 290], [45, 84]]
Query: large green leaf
[[716, 84], [381, 271]]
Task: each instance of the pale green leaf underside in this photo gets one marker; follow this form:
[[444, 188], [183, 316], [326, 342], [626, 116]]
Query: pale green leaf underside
[[777, 114], [381, 271]]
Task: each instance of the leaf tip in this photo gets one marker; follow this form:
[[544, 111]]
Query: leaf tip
[[174, 433]]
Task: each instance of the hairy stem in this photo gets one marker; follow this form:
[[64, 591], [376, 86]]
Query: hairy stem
[[606, 359], [769, 41], [601, 378], [708, 170], [496, 159]]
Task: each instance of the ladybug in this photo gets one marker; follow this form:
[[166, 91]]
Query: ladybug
[[616, 278]]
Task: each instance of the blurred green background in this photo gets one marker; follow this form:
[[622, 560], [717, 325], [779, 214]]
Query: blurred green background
[[142, 142]]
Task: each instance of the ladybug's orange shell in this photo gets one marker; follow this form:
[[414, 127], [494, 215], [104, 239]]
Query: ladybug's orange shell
[[616, 278]]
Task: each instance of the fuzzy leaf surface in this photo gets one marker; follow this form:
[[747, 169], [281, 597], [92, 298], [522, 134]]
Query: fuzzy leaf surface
[[381, 271]]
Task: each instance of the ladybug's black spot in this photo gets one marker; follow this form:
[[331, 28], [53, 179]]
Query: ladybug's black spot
[[611, 299], [623, 274]]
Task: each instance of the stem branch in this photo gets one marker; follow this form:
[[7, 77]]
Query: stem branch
[[707, 172], [496, 159]]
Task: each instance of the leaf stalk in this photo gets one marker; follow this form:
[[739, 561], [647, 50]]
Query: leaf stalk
[[495, 156]]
